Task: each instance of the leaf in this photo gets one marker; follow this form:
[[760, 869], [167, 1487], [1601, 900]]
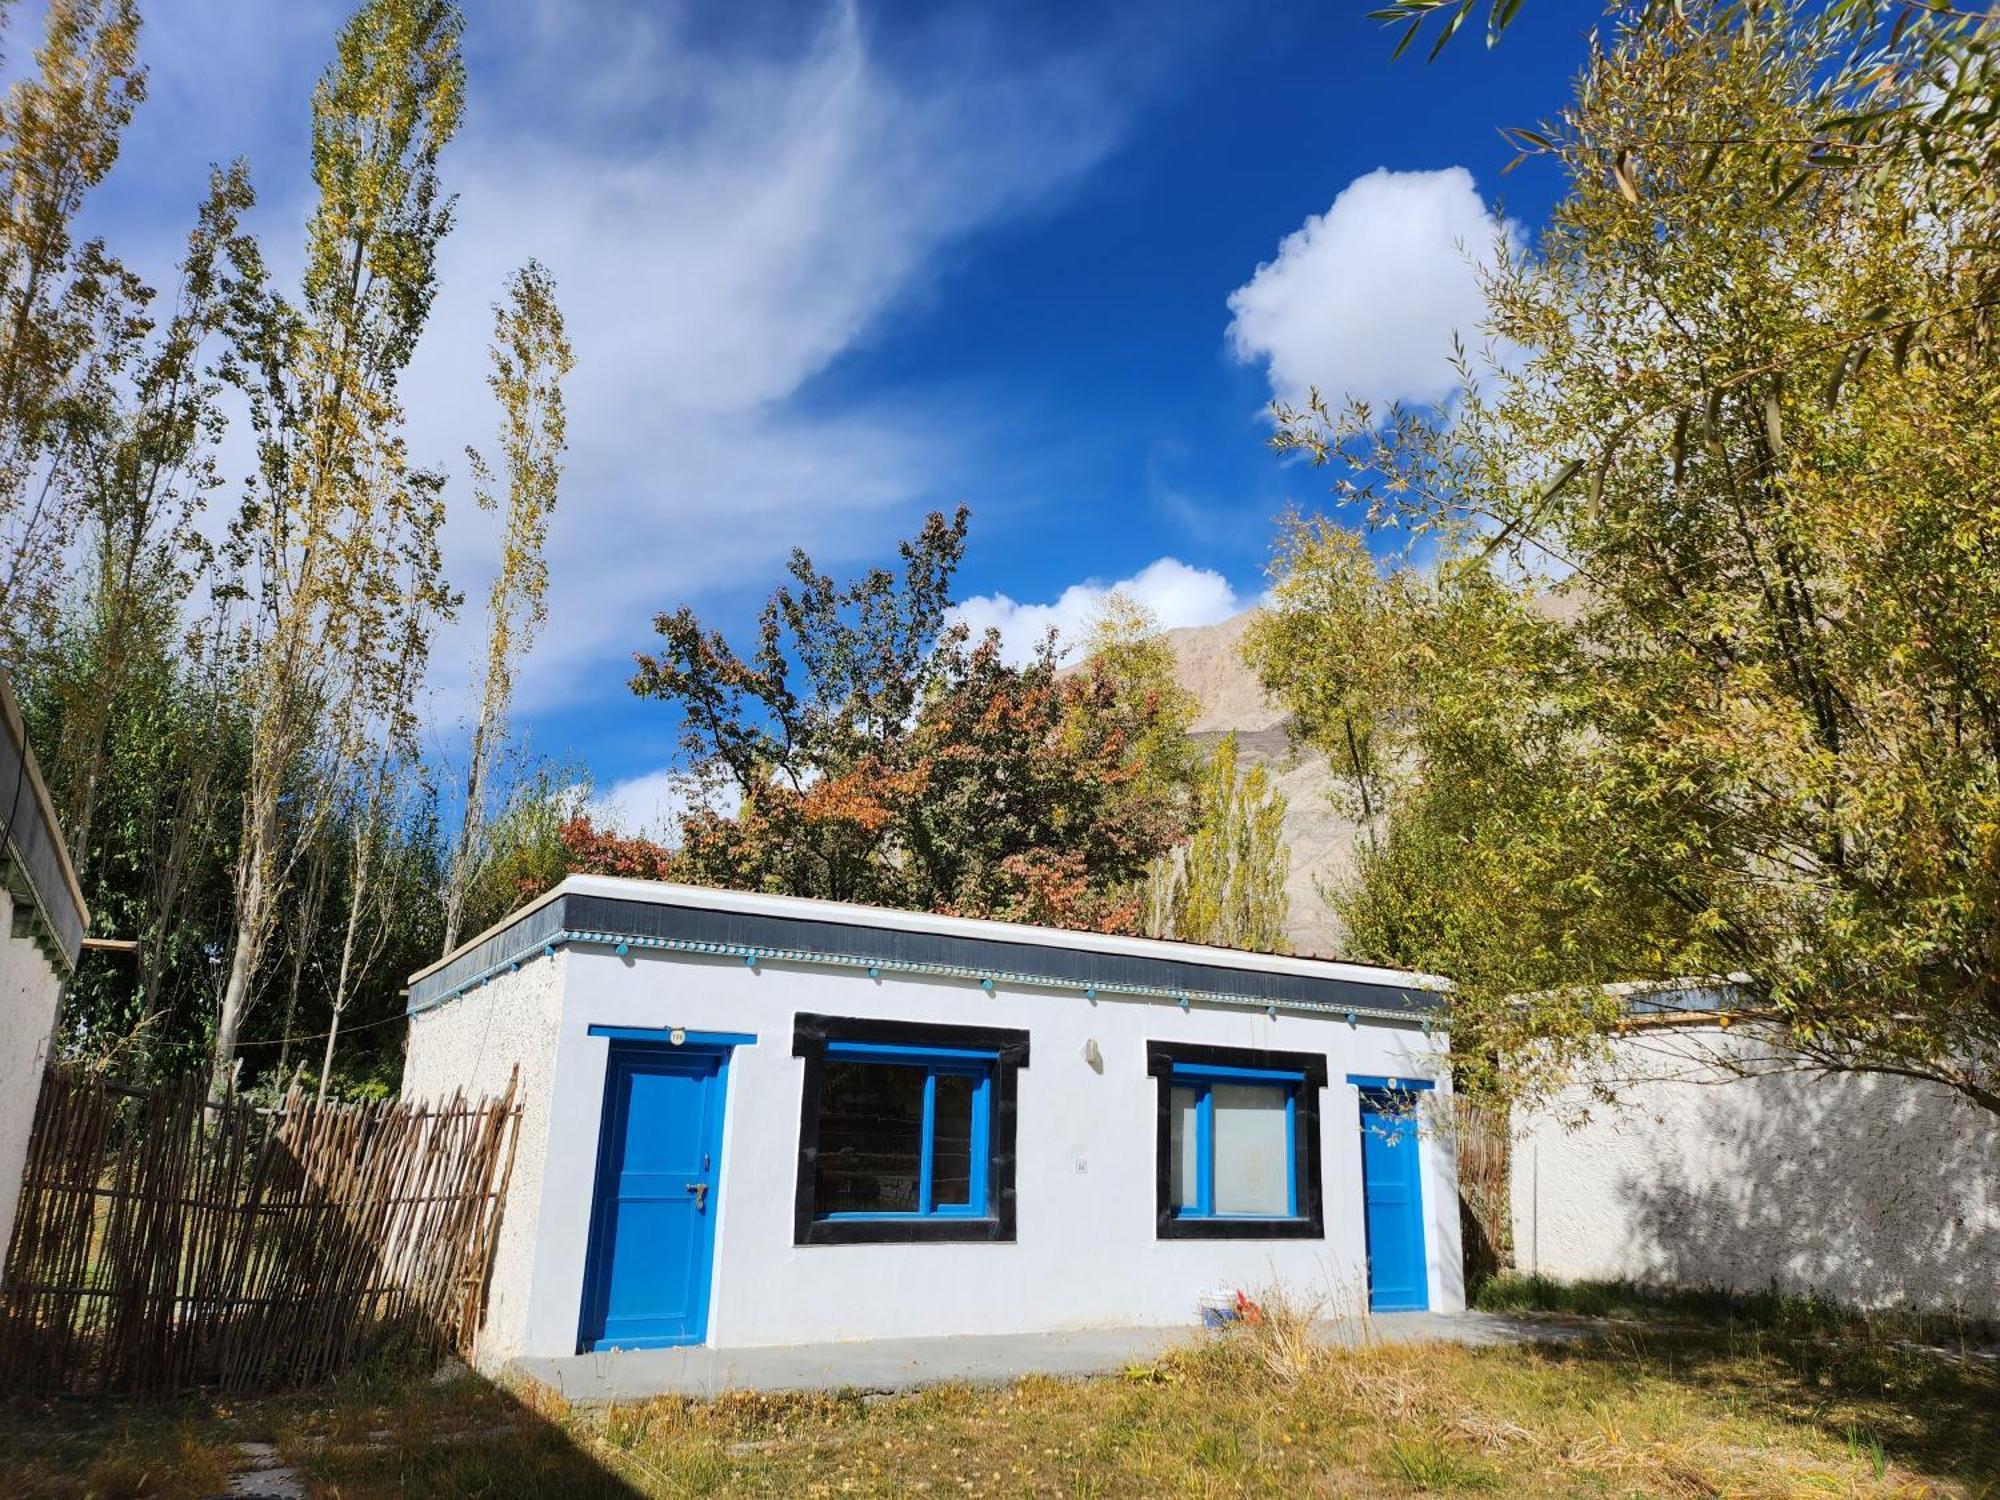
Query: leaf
[[1568, 472], [1450, 29], [1899, 351], [1623, 177]]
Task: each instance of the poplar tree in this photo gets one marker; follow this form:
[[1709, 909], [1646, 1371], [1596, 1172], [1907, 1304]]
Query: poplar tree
[[61, 303], [143, 450], [338, 529], [1228, 885], [382, 768], [531, 357]]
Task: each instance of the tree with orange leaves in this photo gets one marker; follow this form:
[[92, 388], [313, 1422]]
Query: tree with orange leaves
[[874, 752]]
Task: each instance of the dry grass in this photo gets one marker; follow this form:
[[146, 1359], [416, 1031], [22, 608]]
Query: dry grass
[[1737, 1411]]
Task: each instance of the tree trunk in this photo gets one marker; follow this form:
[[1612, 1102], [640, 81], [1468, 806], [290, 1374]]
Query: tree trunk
[[235, 998], [253, 905], [361, 877], [305, 919], [459, 877]]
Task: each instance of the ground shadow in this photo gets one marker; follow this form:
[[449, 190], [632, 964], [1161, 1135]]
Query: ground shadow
[[372, 1433], [1947, 1404], [1876, 1191], [185, 1264], [1821, 1193]]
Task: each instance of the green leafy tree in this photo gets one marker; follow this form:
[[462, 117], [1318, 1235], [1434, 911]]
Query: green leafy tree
[[530, 844], [1325, 648], [156, 869], [1700, 676], [1228, 885], [1124, 644], [141, 443], [64, 307]]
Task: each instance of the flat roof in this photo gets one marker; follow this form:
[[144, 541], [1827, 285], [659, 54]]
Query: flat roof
[[703, 919]]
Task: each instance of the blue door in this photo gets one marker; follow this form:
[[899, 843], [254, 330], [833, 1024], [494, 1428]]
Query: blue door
[[1394, 1200], [652, 1232]]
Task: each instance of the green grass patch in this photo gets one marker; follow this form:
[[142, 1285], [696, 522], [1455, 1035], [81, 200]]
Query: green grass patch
[[1683, 1406]]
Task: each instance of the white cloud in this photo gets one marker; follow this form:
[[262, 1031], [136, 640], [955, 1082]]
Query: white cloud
[[1363, 299], [723, 225], [654, 802], [729, 201], [1176, 594]]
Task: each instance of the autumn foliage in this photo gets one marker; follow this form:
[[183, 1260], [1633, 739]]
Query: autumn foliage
[[878, 754], [590, 850]]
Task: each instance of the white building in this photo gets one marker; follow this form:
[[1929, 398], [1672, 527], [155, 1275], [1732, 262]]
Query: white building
[[757, 1120], [42, 922], [1697, 1154]]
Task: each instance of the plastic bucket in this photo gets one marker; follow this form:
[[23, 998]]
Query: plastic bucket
[[1217, 1307]]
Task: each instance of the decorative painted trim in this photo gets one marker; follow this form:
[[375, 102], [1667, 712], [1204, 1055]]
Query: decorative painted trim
[[1008, 1051], [874, 966], [1305, 1072]]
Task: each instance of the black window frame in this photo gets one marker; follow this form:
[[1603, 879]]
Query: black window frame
[[811, 1033], [1309, 1223]]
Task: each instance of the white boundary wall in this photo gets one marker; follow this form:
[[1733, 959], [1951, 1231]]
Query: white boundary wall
[[1877, 1191], [1085, 1253]]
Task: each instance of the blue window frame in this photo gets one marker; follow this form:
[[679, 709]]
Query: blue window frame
[[1259, 1120], [906, 1131], [1238, 1142]]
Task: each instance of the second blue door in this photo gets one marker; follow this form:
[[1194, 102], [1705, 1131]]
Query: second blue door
[[652, 1233], [1393, 1190]]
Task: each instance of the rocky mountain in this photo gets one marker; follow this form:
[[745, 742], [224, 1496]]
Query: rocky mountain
[[1211, 667]]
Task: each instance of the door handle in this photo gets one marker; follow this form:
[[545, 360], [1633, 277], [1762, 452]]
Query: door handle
[[700, 1191]]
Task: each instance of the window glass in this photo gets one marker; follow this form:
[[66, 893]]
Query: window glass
[[871, 1126], [908, 1133], [1185, 1165], [951, 1152], [1252, 1155]]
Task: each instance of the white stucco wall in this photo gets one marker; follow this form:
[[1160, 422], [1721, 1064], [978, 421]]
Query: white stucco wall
[[1085, 1252], [30, 989], [473, 1044], [1880, 1192]]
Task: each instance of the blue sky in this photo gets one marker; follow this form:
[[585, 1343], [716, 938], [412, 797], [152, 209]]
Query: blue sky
[[830, 266]]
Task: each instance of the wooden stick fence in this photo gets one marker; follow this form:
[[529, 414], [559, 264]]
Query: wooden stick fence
[[162, 1244]]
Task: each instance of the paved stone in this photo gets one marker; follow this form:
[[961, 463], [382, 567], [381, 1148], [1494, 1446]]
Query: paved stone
[[872, 1365], [260, 1475]]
